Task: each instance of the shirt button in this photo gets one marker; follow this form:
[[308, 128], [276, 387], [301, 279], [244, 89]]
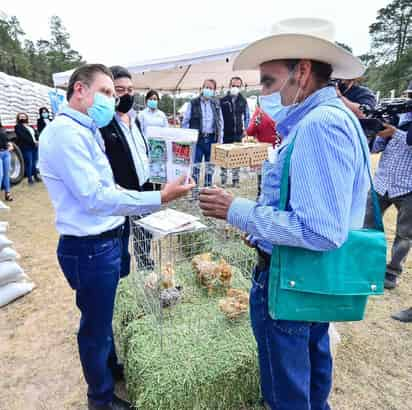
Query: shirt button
[[373, 288], [292, 283]]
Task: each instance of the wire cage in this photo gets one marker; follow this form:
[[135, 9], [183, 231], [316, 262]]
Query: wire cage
[[181, 281]]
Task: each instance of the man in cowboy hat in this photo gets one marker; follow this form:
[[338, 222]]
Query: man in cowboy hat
[[327, 197]]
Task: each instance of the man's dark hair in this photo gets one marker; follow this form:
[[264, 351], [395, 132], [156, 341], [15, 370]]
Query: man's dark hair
[[150, 94], [211, 80], [86, 74], [120, 72], [236, 78], [322, 71]]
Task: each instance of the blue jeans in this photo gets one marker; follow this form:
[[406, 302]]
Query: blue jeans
[[203, 150], [30, 157], [92, 268], [5, 170], [294, 357]]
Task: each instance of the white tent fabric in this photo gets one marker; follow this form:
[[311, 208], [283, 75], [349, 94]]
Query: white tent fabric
[[183, 73]]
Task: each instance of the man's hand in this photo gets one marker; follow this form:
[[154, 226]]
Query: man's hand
[[388, 131], [176, 189], [215, 202]]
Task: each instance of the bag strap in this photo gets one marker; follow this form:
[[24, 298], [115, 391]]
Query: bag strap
[[284, 183]]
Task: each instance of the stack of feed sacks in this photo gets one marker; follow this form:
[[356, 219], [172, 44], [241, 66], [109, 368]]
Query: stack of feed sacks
[[13, 281], [21, 95]]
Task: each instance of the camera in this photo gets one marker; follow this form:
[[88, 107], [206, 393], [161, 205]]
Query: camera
[[386, 112]]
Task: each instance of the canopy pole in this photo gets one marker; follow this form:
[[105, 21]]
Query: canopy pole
[[174, 107]]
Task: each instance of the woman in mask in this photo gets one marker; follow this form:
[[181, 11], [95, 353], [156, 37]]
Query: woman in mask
[[43, 120], [151, 116], [28, 141]]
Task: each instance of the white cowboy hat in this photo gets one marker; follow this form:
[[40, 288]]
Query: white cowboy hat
[[299, 38]]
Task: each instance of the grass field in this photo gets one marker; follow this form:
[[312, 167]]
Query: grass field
[[39, 364]]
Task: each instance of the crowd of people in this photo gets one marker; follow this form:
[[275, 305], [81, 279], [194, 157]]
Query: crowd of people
[[313, 192]]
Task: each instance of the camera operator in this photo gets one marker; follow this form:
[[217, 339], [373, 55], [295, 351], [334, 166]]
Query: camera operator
[[355, 96], [393, 184]]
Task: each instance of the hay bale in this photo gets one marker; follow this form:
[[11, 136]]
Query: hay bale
[[195, 358]]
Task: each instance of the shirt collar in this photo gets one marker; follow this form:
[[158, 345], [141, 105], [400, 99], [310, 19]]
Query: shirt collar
[[296, 113], [80, 118]]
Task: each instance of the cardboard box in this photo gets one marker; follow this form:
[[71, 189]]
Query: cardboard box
[[239, 155]]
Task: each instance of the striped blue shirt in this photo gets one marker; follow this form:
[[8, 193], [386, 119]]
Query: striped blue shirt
[[329, 180], [394, 173]]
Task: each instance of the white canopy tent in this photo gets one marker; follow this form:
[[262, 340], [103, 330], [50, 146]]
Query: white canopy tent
[[184, 73]]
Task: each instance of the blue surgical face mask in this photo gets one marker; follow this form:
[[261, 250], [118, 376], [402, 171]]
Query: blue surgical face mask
[[208, 93], [103, 109], [152, 104], [45, 115], [271, 104]]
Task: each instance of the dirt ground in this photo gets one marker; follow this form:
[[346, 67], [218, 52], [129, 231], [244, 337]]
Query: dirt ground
[[39, 366]]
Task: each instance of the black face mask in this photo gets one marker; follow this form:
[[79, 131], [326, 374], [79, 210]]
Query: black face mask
[[342, 87], [23, 120], [125, 103]]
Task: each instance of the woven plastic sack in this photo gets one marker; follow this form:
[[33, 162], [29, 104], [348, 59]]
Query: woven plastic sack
[[10, 272], [12, 291], [8, 254], [4, 242]]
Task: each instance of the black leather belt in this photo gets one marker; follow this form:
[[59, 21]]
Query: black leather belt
[[263, 260], [112, 234], [204, 135]]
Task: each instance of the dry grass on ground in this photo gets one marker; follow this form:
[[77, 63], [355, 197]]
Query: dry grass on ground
[[39, 364]]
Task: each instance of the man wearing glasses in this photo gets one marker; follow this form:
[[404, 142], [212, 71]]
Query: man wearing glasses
[[128, 154]]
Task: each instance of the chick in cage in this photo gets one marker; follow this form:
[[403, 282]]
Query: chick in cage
[[169, 293], [235, 304], [211, 274]]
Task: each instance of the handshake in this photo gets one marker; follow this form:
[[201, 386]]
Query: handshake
[[214, 202]]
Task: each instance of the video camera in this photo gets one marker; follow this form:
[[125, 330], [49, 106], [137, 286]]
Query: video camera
[[385, 112]]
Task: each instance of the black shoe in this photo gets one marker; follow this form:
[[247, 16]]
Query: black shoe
[[235, 184], [31, 182], [37, 178], [391, 281], [115, 404], [118, 373], [404, 316]]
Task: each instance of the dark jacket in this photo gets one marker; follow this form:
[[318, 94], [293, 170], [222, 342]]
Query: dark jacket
[[41, 125], [233, 117], [361, 95], [4, 139], [24, 138], [121, 159], [196, 116]]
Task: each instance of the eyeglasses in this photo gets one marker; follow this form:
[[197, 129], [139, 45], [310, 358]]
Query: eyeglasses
[[267, 80], [124, 90]]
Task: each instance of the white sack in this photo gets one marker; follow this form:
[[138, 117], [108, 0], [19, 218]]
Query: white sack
[[10, 272], [13, 291]]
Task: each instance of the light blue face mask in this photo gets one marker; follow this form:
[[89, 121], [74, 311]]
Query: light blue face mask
[[271, 104], [152, 104], [103, 109], [208, 93], [45, 115]]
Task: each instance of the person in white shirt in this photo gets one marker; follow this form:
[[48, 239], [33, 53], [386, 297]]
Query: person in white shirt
[[90, 212], [151, 116]]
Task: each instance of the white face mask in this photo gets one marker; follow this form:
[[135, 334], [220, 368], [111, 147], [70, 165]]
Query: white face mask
[[234, 91]]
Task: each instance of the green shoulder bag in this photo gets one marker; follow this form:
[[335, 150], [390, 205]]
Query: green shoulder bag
[[329, 286]]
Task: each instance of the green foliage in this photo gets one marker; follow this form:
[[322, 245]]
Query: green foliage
[[22, 57], [391, 33], [389, 60]]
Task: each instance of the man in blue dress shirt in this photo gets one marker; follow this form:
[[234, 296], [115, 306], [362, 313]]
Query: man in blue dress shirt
[[328, 191], [90, 213]]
